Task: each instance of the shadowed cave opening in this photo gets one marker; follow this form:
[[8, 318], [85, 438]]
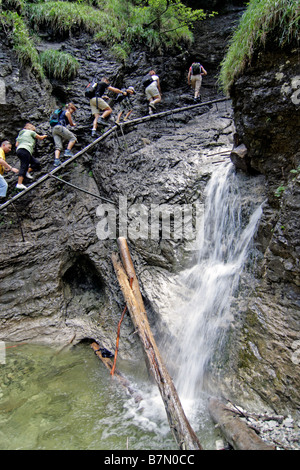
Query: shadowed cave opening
[[83, 287]]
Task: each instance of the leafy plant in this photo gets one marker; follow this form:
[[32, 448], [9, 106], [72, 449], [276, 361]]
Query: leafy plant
[[296, 171], [121, 24], [161, 23], [59, 64], [280, 190], [277, 21], [22, 43]]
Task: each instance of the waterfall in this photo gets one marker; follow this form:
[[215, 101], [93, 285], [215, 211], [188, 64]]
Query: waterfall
[[204, 313]]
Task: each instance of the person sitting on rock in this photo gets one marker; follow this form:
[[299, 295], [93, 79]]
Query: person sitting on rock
[[98, 104], [61, 133], [125, 104], [25, 146], [5, 148]]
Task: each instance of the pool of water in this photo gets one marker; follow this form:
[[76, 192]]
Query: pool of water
[[67, 400]]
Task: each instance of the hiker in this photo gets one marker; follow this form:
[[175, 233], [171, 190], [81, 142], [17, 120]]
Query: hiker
[[196, 71], [61, 133], [4, 166], [152, 89], [25, 143], [98, 104], [124, 104]]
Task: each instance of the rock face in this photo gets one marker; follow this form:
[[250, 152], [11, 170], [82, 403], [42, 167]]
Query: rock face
[[266, 112], [56, 275]]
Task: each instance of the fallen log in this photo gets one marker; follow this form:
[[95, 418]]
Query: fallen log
[[183, 433], [109, 365], [117, 341], [239, 435]]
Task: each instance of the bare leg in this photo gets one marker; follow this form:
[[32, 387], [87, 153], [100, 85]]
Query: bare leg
[[119, 117], [106, 113], [71, 144], [127, 115], [95, 121]]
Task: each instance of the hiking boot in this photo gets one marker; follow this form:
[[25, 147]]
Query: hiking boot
[[68, 153], [103, 122], [21, 186], [57, 162], [94, 133]]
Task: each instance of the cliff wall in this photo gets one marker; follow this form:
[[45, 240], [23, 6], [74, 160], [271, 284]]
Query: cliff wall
[[56, 276], [266, 113]]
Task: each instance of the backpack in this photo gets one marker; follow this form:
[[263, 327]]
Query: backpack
[[147, 80], [54, 118], [120, 97], [91, 89], [196, 68]]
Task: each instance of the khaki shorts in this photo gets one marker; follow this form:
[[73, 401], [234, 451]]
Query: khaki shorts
[[152, 91], [196, 81], [61, 134], [102, 105]]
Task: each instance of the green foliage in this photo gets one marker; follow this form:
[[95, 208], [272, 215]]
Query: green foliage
[[276, 21], [279, 191], [120, 51], [162, 23], [59, 64], [65, 17], [22, 43], [121, 24], [296, 172]]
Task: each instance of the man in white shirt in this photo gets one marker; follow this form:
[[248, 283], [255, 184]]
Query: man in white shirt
[[153, 91]]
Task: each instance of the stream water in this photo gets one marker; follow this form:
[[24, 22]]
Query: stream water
[[67, 400]]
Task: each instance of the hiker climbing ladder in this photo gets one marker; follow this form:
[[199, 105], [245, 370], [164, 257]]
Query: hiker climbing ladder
[[101, 138]]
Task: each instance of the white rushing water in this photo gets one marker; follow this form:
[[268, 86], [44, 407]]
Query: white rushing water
[[204, 315]]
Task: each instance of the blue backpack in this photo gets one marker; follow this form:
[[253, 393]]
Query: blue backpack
[[54, 118]]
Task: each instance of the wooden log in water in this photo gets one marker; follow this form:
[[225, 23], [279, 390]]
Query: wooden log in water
[[182, 431], [109, 365], [239, 435]]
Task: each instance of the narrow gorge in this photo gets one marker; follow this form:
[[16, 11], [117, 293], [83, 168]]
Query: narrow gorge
[[230, 164]]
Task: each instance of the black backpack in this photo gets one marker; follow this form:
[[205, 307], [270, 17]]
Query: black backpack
[[196, 68], [91, 89], [147, 80], [54, 118]]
